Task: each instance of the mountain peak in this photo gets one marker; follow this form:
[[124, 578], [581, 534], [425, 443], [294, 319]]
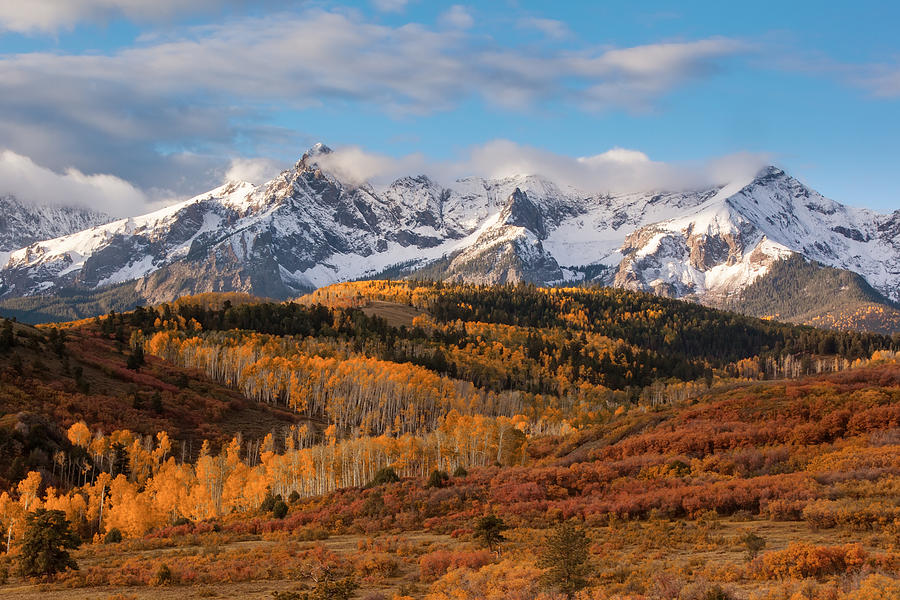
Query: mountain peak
[[769, 172], [318, 149], [22, 224], [520, 211], [706, 245], [308, 160]]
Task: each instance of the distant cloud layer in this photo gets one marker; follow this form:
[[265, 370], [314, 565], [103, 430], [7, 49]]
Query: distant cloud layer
[[549, 27], [196, 91], [30, 16], [457, 16], [33, 183], [390, 5], [254, 170], [615, 171], [882, 81], [165, 113]]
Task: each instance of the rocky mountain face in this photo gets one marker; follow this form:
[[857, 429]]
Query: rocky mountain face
[[307, 228], [24, 224]]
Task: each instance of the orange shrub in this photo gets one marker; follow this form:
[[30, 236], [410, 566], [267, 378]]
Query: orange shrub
[[433, 566], [801, 560]]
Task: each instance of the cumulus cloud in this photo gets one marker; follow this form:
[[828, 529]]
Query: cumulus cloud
[[353, 164], [253, 170], [618, 170], [32, 16], [198, 90], [457, 16], [551, 28], [33, 183]]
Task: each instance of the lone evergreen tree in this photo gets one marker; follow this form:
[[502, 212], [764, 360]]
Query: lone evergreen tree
[[385, 475], [7, 336], [489, 529], [136, 358], [565, 557], [754, 544], [46, 543], [438, 479]]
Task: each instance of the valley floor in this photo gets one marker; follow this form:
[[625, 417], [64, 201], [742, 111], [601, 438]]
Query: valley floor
[[635, 559]]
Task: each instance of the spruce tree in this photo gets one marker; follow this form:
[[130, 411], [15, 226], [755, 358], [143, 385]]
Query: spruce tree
[[489, 529], [46, 543], [565, 556]]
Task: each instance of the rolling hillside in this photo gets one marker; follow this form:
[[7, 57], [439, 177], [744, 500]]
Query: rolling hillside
[[357, 439]]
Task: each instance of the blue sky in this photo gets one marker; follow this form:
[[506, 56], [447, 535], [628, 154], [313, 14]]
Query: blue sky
[[129, 103]]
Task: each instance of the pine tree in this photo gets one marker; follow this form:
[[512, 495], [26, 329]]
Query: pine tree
[[7, 336], [489, 529], [565, 557], [754, 544], [46, 543], [136, 358]]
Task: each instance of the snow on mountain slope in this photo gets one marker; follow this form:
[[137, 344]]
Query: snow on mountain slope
[[730, 240], [120, 250], [306, 228], [23, 224]]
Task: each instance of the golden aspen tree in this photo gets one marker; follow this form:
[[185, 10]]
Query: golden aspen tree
[[79, 434], [28, 491], [12, 516]]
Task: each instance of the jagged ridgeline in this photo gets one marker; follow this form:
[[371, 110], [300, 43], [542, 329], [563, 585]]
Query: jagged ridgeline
[[309, 228]]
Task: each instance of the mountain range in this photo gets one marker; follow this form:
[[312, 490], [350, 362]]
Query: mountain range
[[23, 224], [307, 228]]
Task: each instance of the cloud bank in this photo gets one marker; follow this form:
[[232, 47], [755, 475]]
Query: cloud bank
[[254, 170], [33, 183], [48, 16], [164, 112], [617, 170]]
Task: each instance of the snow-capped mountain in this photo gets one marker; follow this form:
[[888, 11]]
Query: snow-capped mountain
[[732, 238], [307, 228], [23, 224]]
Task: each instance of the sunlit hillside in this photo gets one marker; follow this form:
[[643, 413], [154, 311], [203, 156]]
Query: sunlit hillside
[[423, 440]]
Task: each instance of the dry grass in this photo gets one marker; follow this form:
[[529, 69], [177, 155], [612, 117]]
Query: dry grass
[[702, 548], [396, 315]]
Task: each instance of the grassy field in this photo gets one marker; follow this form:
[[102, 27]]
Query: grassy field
[[396, 315], [624, 558]]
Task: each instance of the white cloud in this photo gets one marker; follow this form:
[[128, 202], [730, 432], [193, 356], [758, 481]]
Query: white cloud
[[457, 16], [618, 170], [390, 5], [355, 165], [635, 77], [31, 16], [881, 78], [197, 91], [551, 28], [322, 56], [254, 170], [622, 156], [33, 183]]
